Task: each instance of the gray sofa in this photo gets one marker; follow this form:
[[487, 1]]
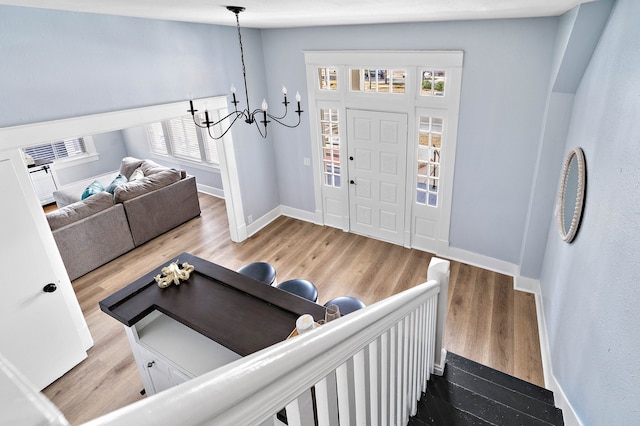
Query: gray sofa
[[94, 231]]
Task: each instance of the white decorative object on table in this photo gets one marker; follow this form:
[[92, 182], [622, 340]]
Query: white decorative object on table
[[172, 273]]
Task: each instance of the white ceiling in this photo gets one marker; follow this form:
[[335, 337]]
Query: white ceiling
[[298, 13]]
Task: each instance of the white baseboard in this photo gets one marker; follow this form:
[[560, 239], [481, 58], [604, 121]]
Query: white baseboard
[[300, 214], [210, 190], [263, 221], [481, 261], [531, 285]]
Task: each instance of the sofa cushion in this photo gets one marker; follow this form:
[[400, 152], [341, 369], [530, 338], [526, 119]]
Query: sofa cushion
[[147, 184], [117, 181], [128, 165], [94, 188], [80, 210], [151, 167]]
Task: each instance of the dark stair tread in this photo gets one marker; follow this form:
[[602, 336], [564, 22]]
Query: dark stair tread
[[433, 411], [480, 406], [500, 378], [507, 396]]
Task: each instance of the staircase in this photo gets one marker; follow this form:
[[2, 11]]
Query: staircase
[[472, 394]]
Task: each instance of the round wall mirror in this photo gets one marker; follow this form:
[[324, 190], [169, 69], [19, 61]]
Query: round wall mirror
[[571, 197]]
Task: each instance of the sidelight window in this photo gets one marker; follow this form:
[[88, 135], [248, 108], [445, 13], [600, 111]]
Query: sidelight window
[[429, 150], [330, 134]]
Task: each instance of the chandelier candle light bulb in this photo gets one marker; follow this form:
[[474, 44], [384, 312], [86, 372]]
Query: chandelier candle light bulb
[[247, 114]]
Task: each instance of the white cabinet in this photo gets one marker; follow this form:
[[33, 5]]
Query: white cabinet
[[169, 353], [43, 183]]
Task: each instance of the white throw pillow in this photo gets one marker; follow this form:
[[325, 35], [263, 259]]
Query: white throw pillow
[[137, 174]]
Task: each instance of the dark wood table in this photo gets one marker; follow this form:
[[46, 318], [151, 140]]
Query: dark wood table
[[236, 311]]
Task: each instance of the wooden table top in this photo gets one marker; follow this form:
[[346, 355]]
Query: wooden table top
[[236, 311]]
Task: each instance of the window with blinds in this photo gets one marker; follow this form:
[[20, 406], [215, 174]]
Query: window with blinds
[[57, 150], [181, 138]]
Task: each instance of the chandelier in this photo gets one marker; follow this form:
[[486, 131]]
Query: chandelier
[[259, 115]]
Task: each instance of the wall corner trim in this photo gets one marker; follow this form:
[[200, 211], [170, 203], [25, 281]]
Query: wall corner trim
[[531, 285]]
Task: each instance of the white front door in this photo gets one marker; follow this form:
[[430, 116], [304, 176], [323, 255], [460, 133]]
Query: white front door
[[37, 331], [377, 148]]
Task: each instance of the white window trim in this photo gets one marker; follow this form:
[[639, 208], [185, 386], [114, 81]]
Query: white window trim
[[410, 103]]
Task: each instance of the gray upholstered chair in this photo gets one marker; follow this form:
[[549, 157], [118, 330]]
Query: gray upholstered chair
[[261, 271]]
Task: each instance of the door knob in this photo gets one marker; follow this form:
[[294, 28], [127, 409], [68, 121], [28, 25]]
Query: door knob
[[351, 158], [49, 288], [352, 182]]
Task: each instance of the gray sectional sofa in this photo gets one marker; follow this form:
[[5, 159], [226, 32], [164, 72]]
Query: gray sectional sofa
[[96, 230]]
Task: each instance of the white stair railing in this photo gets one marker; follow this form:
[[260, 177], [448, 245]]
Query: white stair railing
[[367, 368]]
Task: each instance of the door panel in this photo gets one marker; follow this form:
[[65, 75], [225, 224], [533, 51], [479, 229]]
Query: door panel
[[377, 143], [37, 332]]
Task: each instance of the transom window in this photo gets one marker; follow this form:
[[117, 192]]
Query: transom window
[[378, 80], [330, 134], [433, 83], [328, 78], [429, 148], [180, 138]]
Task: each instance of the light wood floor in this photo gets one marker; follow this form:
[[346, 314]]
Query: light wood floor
[[488, 321]]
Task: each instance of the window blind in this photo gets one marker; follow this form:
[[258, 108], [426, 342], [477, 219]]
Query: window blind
[[56, 150], [156, 138], [183, 138]]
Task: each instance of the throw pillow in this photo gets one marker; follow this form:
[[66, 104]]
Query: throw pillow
[[92, 189], [128, 165], [137, 174], [119, 180]]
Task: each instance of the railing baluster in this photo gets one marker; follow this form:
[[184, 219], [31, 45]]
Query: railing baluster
[[384, 378], [400, 373], [327, 401], [300, 410], [374, 388], [360, 387], [393, 372], [405, 373], [342, 386], [413, 371]]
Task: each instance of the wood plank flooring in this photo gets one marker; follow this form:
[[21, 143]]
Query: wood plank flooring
[[488, 321]]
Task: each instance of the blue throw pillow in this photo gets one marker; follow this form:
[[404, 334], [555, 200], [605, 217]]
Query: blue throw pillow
[[119, 180], [92, 189]]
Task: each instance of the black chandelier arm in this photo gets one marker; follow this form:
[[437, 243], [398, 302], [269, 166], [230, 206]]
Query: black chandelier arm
[[291, 126], [264, 135], [211, 123], [238, 115]]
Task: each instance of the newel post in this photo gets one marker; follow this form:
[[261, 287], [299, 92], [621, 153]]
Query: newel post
[[439, 271]]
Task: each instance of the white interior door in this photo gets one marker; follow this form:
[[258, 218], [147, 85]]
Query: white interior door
[[38, 334], [377, 145]]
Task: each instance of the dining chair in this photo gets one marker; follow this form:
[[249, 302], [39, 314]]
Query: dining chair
[[347, 304], [261, 271], [300, 287]]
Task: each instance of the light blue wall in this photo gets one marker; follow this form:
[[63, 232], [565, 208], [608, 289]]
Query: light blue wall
[[504, 87], [590, 287], [62, 64], [578, 33], [111, 149]]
